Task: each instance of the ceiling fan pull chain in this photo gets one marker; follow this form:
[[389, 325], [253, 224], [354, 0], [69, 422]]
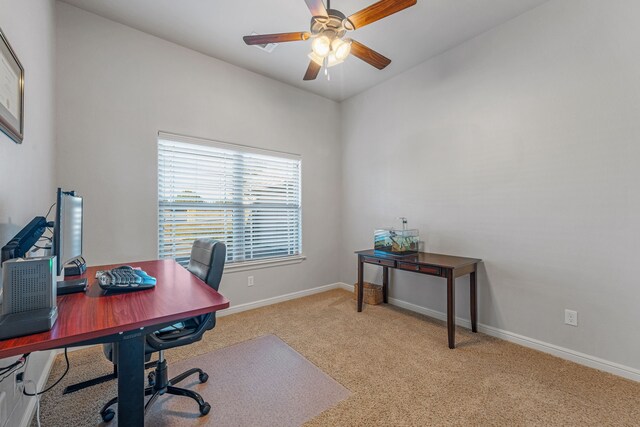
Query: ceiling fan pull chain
[[325, 63]]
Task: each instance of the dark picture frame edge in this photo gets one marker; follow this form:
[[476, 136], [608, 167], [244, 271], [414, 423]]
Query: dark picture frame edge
[[17, 135]]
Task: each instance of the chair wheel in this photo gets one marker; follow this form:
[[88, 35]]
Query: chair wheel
[[204, 409], [109, 414], [203, 377]]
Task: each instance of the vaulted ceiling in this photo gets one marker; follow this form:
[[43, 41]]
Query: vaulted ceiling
[[216, 27]]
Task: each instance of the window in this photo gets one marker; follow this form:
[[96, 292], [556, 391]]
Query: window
[[248, 198]]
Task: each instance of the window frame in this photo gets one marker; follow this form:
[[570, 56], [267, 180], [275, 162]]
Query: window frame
[[250, 264]]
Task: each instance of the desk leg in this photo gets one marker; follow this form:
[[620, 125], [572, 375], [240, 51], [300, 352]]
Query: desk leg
[[451, 308], [385, 284], [131, 381], [474, 302], [360, 284]]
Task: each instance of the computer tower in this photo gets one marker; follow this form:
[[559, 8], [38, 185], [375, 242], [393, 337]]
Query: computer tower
[[29, 300]]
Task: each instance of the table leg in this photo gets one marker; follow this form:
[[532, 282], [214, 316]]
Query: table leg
[[131, 381], [360, 284], [474, 302], [385, 284], [451, 308]]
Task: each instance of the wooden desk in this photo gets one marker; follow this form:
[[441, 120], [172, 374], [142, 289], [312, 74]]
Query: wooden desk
[[95, 318], [445, 266]]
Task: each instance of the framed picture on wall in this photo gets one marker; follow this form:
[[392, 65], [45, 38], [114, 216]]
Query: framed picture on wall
[[11, 92]]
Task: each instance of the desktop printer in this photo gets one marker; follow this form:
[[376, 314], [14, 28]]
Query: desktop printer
[[29, 296]]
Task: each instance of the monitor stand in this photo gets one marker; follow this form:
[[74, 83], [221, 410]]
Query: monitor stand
[[72, 286], [75, 268]]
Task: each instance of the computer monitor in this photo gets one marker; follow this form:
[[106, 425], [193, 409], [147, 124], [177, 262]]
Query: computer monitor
[[67, 230]]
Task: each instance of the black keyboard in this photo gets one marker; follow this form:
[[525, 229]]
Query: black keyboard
[[125, 278]]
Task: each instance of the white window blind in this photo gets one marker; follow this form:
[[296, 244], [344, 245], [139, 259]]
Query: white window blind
[[248, 198]]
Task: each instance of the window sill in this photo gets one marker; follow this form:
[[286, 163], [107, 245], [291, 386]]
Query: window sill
[[267, 263]]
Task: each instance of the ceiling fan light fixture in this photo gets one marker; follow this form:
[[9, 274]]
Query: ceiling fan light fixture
[[332, 60], [341, 48], [321, 46], [316, 58]]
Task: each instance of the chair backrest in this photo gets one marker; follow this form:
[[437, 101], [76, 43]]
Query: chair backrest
[[207, 260]]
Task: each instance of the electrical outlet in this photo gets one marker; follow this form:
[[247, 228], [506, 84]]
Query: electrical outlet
[[250, 281], [571, 317]]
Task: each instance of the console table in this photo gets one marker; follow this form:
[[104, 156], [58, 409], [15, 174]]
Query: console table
[[445, 266]]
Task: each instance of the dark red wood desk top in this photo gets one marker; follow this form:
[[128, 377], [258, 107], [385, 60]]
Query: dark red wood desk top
[[177, 295], [446, 261]]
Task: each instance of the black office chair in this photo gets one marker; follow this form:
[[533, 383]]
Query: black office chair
[[207, 262]]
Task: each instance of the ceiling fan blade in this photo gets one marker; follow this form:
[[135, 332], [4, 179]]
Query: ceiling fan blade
[[316, 7], [275, 38], [312, 71], [377, 11], [369, 55]]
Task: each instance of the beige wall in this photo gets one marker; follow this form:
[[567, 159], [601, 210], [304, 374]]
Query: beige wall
[[519, 147], [118, 87], [27, 170]]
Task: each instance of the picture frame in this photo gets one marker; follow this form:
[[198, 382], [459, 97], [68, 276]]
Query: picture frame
[[11, 92]]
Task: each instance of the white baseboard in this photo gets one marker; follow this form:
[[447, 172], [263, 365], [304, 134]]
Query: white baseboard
[[274, 300], [30, 409], [555, 350]]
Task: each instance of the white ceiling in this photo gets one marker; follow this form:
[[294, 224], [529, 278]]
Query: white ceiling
[[216, 27]]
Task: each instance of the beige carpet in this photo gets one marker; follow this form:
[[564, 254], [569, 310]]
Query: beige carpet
[[399, 369]]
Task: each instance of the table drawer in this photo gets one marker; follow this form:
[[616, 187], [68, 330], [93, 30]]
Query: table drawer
[[378, 261], [427, 269]]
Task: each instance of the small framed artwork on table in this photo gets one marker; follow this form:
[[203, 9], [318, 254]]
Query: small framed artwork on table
[[11, 92]]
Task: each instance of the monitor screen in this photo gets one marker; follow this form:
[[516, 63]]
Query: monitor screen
[[67, 231]]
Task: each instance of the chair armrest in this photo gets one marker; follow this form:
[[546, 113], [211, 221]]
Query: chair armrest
[[158, 343]]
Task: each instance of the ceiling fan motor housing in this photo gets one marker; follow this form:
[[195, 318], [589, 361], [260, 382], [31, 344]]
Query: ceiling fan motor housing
[[333, 24]]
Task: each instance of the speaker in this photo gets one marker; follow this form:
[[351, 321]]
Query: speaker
[[29, 300]]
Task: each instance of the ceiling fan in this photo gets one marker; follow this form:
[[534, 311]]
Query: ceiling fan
[[328, 30]]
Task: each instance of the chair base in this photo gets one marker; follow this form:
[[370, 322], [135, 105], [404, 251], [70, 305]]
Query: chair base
[[159, 385], [99, 380]]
